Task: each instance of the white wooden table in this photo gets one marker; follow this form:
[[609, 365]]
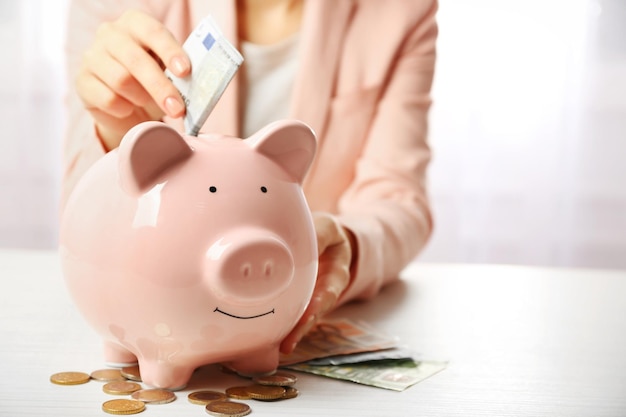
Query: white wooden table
[[521, 341]]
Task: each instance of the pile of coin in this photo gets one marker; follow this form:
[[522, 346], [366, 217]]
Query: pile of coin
[[276, 387], [126, 381], [117, 382], [279, 386]]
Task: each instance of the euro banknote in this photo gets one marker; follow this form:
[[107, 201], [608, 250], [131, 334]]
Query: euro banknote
[[214, 63]]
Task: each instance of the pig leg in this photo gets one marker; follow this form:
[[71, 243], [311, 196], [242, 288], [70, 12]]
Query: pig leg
[[164, 375], [118, 356], [260, 362]]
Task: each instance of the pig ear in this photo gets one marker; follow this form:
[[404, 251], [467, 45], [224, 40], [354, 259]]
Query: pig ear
[[146, 152], [289, 143]]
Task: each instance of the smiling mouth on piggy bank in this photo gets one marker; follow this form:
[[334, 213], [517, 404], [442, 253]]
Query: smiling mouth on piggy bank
[[217, 310]]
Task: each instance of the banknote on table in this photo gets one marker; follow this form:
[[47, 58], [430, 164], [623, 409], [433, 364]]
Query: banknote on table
[[354, 351], [214, 62], [395, 353], [338, 337], [395, 375]]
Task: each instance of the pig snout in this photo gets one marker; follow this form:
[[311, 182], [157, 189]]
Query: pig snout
[[249, 266]]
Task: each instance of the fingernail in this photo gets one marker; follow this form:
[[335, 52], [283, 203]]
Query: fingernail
[[174, 107], [179, 65]]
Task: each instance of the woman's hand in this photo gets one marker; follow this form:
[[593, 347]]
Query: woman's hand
[[337, 248], [121, 80]]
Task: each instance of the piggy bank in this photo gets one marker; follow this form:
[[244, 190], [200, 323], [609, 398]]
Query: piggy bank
[[184, 251]]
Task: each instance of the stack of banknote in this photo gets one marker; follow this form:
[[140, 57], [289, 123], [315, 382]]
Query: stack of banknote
[[356, 352]]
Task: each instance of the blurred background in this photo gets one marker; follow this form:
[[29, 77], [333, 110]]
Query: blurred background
[[528, 130]]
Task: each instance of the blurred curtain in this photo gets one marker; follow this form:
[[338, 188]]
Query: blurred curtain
[[31, 112], [529, 133]]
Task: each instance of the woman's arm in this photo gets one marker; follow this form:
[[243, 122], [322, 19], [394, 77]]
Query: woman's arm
[[386, 205]]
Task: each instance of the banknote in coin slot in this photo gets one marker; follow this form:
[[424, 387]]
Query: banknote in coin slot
[[214, 62]]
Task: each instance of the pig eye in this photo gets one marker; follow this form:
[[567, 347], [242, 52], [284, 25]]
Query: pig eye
[[263, 189], [212, 189]]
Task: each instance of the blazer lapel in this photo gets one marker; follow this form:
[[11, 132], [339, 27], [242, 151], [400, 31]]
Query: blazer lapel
[[323, 29]]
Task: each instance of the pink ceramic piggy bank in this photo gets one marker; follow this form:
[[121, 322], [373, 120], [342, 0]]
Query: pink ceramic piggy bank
[[184, 251]]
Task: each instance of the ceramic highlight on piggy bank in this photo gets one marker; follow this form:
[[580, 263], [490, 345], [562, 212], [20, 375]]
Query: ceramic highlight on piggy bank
[[183, 251]]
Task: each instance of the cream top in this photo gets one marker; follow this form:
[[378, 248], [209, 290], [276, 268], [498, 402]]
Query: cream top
[[269, 73]]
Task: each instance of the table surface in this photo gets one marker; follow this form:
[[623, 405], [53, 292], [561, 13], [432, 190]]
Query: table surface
[[520, 341]]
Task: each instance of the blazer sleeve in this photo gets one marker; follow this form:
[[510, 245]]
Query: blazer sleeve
[[386, 205]]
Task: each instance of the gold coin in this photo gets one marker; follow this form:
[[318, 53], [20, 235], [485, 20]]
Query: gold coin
[[205, 397], [228, 409], [266, 392], [123, 407], [121, 387], [132, 373], [290, 392], [107, 375], [238, 393], [154, 396], [70, 378], [281, 379]]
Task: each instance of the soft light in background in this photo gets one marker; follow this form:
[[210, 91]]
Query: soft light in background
[[31, 121], [528, 130], [529, 133]]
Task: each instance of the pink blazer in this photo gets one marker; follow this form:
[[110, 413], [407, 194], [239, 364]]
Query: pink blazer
[[366, 70]]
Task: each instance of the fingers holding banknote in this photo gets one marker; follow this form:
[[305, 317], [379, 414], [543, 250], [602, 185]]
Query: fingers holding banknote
[[336, 250], [121, 80]]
